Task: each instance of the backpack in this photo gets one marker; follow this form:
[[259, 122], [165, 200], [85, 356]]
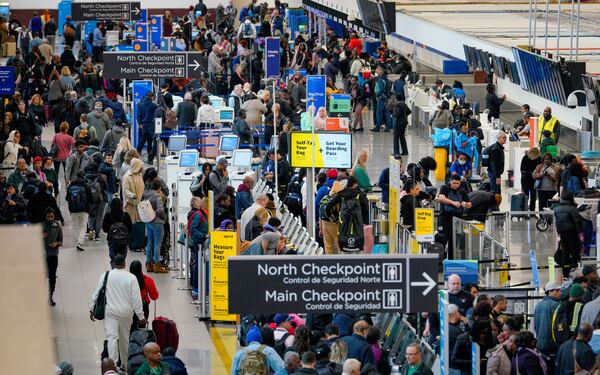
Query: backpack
[[246, 322], [37, 149], [254, 362], [96, 191], [191, 220], [77, 199], [247, 31], [293, 200], [135, 353], [562, 329], [449, 209], [170, 119], [146, 211], [350, 228], [485, 156], [390, 104], [323, 210], [280, 345], [388, 88], [118, 235]]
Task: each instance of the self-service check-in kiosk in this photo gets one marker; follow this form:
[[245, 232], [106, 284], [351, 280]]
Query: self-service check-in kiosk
[[188, 166]]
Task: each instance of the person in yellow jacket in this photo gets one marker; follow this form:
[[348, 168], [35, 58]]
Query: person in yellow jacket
[[548, 122]]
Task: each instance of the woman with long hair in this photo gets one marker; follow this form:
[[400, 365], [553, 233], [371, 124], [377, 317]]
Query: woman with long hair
[[36, 107], [360, 171], [126, 165], [11, 153], [66, 80], [301, 340], [148, 290], [123, 147], [5, 127]]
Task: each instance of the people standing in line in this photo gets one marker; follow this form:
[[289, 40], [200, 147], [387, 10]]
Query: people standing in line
[[529, 164], [260, 202], [358, 101], [97, 185], [576, 356], [133, 189], [11, 153], [218, 179], [155, 228], [98, 42], [145, 119], [53, 240], [197, 233], [123, 299], [358, 348], [569, 224], [360, 171], [493, 102], [414, 363], [496, 162], [147, 286], [118, 227], [546, 176], [328, 224], [400, 114], [454, 201]]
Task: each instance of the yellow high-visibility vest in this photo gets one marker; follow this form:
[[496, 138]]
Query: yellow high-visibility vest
[[548, 125]]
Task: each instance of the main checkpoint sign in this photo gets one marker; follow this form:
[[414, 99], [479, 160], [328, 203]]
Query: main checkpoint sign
[[109, 11], [349, 283], [150, 65]]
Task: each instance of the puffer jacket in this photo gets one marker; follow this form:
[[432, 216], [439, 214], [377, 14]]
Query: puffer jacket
[[567, 217]]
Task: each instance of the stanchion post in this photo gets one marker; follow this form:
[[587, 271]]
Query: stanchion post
[[174, 226]]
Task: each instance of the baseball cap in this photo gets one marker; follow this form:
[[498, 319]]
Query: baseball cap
[[589, 268], [223, 161], [576, 291], [280, 318], [552, 285]]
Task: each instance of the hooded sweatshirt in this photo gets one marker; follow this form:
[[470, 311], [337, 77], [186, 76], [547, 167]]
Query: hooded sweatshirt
[[243, 200]]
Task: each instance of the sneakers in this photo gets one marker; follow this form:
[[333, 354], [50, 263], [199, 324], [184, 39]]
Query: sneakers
[[97, 238], [80, 248]]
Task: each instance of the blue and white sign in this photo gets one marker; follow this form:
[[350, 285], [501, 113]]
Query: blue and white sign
[[141, 30], [139, 90], [475, 359], [7, 80], [156, 30], [273, 60], [291, 72], [140, 45], [144, 15], [534, 268], [315, 92], [444, 334], [466, 269]]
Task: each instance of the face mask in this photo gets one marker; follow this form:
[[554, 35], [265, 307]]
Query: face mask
[[462, 162], [548, 116]]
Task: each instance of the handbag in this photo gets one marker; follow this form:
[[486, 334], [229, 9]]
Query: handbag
[[100, 304], [53, 151], [537, 184]]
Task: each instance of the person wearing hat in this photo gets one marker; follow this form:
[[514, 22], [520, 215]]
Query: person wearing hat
[[569, 224], [543, 319], [590, 272], [324, 190], [254, 340], [66, 368], [572, 309], [282, 334]]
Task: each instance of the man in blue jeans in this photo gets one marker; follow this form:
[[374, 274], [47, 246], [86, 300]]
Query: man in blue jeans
[[382, 90], [496, 165], [155, 228]]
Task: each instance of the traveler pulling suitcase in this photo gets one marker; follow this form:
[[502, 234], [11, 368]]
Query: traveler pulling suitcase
[[166, 332], [137, 241]]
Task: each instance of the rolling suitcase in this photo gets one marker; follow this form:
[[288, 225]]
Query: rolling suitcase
[[137, 240], [166, 332], [518, 202]]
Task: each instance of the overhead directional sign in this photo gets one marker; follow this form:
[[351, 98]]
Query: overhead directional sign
[[105, 11], [349, 283], [148, 65]]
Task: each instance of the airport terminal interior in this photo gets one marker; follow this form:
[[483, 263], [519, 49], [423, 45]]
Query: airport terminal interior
[[302, 187]]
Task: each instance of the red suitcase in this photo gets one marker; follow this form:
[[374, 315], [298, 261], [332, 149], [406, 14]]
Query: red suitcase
[[166, 332]]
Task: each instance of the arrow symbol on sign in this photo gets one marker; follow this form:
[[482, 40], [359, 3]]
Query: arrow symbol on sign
[[196, 65], [136, 11], [429, 283]]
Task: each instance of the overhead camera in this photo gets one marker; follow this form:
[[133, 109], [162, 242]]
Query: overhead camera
[[573, 100]]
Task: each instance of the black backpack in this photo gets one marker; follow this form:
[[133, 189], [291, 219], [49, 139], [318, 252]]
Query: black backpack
[[118, 235], [137, 340], [96, 190], [388, 87], [280, 345], [485, 156], [293, 200], [350, 227], [564, 329]]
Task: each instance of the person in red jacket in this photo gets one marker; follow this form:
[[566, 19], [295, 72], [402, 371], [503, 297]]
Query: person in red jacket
[[355, 43], [147, 289]]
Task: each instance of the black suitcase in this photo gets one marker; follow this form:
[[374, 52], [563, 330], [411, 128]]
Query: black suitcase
[[137, 240], [518, 202]]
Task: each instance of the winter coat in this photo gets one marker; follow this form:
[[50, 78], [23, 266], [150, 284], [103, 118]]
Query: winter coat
[[243, 200], [133, 189], [112, 138], [567, 217], [53, 233], [37, 205], [100, 122], [499, 362]]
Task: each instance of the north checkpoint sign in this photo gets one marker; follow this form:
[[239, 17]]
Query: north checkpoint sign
[[106, 11], [151, 65], [320, 284]]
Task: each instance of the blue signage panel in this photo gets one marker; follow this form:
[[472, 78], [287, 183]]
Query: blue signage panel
[[141, 30], [315, 92], [7, 80], [466, 269], [273, 59], [156, 30], [139, 90], [534, 268], [140, 45], [144, 15]]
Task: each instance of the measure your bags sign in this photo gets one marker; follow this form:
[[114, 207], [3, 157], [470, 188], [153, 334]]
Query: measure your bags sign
[[331, 150], [394, 283]]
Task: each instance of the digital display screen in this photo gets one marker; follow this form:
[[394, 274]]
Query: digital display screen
[[242, 158], [541, 76], [226, 115], [591, 87], [188, 159], [468, 55], [177, 143], [229, 143]]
